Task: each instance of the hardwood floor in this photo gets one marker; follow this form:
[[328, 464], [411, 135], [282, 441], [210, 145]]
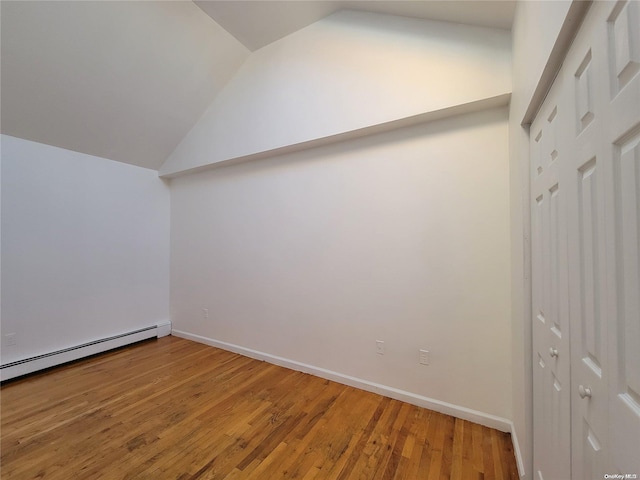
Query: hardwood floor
[[175, 409]]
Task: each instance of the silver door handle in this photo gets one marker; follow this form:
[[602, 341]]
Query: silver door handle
[[584, 392], [553, 352]]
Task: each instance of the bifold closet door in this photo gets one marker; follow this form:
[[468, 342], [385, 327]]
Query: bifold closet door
[[603, 73], [585, 171], [587, 178], [621, 129], [550, 296]]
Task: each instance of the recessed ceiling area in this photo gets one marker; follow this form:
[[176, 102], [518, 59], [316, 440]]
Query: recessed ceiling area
[[259, 23]]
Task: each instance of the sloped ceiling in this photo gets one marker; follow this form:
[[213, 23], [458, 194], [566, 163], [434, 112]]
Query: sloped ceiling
[[258, 23], [348, 75], [127, 80], [120, 80]]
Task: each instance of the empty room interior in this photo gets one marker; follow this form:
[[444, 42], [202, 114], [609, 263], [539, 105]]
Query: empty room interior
[[320, 239]]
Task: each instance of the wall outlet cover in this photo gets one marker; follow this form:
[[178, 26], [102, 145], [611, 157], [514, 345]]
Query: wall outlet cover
[[424, 357]]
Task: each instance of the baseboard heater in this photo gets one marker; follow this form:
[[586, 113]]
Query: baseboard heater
[[52, 359]]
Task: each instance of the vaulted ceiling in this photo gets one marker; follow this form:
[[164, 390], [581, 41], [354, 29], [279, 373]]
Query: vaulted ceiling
[[128, 80], [258, 23], [120, 80]]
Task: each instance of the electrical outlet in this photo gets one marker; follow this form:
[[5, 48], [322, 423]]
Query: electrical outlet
[[10, 339], [424, 357], [379, 347], [205, 313]]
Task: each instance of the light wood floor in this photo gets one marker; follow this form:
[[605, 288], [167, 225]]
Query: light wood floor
[[174, 409]]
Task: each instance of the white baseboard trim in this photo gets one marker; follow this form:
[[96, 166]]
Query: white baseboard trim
[[58, 357], [516, 450], [464, 413]]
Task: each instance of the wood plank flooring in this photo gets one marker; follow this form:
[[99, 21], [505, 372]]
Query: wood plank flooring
[[175, 409]]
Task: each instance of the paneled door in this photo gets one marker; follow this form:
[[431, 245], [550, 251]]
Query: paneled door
[[621, 115], [585, 174], [587, 182], [603, 75], [550, 296]]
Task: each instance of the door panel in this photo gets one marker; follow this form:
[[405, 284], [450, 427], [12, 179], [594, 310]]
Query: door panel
[[550, 295], [622, 113], [589, 165], [625, 344]]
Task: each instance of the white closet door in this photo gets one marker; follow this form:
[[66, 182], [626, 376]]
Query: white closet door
[[603, 70], [621, 117], [585, 159], [587, 177], [550, 289]]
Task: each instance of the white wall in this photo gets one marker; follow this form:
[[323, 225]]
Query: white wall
[[349, 71], [85, 248], [313, 256], [535, 30]]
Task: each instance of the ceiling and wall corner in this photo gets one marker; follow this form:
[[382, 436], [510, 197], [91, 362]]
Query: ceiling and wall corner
[[128, 80], [350, 71], [259, 23], [120, 80]]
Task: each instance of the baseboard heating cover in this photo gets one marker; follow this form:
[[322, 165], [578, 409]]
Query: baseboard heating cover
[[58, 357]]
